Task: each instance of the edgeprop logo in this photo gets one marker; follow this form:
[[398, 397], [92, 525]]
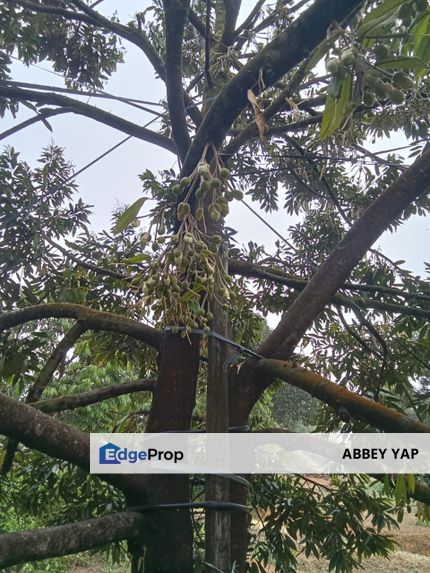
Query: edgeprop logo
[[112, 454]]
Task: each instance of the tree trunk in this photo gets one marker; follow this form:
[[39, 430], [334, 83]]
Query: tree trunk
[[169, 543]]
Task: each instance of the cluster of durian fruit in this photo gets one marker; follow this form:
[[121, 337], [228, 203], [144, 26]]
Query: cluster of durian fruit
[[377, 83], [182, 282]]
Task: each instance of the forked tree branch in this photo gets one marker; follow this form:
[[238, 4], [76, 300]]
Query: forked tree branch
[[140, 39], [91, 319], [335, 396], [90, 111], [247, 386], [93, 396], [133, 35], [288, 49], [232, 8], [35, 544], [250, 19]]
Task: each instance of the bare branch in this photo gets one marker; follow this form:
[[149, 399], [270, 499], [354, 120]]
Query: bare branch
[[56, 358], [196, 22], [93, 396], [90, 318], [35, 544], [137, 103], [41, 116], [249, 21], [90, 111], [278, 104], [244, 268], [335, 396], [98, 270]]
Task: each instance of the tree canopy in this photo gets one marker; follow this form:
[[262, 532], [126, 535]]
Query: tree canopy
[[158, 322]]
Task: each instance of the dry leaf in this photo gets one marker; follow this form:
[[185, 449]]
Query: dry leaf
[[260, 120]]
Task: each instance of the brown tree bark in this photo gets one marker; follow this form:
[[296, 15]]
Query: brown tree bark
[[169, 543]]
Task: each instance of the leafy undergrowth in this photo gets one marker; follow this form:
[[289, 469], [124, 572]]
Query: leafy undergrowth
[[413, 555]]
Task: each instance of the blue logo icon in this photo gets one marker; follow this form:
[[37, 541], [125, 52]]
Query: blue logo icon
[[108, 454]]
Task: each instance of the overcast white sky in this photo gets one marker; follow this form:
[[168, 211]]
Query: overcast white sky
[[114, 179]]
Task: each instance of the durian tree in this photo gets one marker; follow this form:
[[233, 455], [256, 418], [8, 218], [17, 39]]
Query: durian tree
[[157, 324]]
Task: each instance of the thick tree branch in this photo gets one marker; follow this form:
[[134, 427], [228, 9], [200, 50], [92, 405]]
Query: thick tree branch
[[232, 8], [335, 396], [43, 379], [41, 432], [35, 544], [356, 242], [176, 15], [89, 318], [269, 65], [90, 111], [93, 396]]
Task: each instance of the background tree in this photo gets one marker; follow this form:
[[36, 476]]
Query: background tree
[[287, 98]]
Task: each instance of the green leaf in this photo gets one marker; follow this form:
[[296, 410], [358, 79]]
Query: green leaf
[[410, 483], [343, 101], [193, 303], [401, 63], [421, 34], [382, 11], [372, 25], [129, 214], [400, 493], [336, 109], [327, 118], [137, 258]]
